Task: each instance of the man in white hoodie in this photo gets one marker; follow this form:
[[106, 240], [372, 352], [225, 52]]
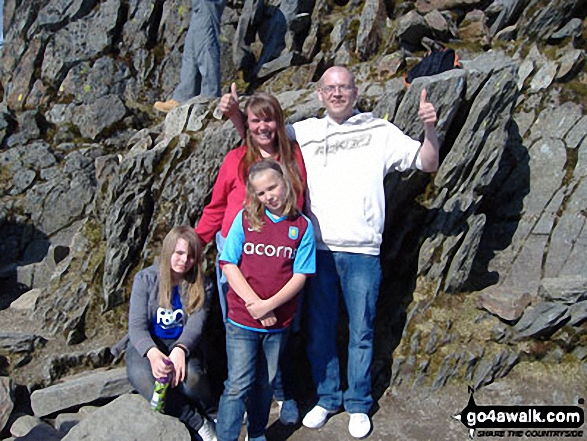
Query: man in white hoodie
[[347, 155]]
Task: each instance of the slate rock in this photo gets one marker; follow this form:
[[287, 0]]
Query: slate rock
[[567, 290], [79, 390], [128, 418], [508, 305], [542, 319]]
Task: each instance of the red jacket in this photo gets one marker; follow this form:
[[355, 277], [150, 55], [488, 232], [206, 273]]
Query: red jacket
[[229, 193]]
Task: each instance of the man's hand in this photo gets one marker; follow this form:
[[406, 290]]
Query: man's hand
[[229, 102], [426, 112]]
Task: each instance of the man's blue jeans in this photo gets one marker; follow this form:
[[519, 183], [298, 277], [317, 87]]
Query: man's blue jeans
[[357, 277], [252, 364]]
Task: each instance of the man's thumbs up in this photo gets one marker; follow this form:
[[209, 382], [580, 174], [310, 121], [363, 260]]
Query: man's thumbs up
[[426, 112]]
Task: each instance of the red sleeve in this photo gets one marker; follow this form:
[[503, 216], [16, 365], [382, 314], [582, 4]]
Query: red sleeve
[[303, 175], [213, 214]]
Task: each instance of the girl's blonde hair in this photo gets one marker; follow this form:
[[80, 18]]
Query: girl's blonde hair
[[265, 105], [193, 278], [253, 206]]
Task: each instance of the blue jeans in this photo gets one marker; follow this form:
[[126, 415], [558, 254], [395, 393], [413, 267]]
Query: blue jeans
[[252, 364], [357, 277]]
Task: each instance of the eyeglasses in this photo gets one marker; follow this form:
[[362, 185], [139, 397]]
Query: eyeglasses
[[343, 88]]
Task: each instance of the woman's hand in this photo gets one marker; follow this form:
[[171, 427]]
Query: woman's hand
[[177, 357], [229, 102], [158, 360], [268, 320]]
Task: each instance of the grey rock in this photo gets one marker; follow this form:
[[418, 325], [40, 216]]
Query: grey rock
[[439, 25], [91, 119], [578, 313], [544, 77], [79, 390], [80, 39], [65, 421], [544, 21], [27, 301], [6, 400], [411, 28], [488, 370], [19, 342], [508, 305], [570, 64], [460, 267], [338, 33], [567, 290], [542, 319], [572, 29], [473, 28], [128, 418], [30, 428], [372, 28], [507, 13]]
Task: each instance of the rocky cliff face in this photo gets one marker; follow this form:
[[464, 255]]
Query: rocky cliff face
[[483, 262]]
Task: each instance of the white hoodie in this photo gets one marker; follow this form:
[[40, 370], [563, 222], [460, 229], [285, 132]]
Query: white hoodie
[[346, 165]]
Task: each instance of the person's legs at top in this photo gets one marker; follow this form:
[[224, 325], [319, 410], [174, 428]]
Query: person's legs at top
[[200, 63], [208, 54], [322, 300], [242, 348], [360, 276], [271, 347]]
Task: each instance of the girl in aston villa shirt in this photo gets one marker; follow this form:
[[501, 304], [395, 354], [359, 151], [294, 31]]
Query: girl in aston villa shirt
[[268, 254]]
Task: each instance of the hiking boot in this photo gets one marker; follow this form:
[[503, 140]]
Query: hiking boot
[[288, 412], [359, 425], [166, 106], [316, 417], [207, 432]]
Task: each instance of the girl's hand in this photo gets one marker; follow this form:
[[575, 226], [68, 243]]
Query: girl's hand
[[268, 319], [177, 357], [158, 366], [258, 308]]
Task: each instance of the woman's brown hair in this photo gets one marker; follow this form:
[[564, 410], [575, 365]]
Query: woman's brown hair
[[265, 105], [193, 278]]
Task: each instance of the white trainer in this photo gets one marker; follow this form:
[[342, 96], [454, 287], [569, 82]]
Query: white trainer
[[359, 425], [316, 417], [207, 432]]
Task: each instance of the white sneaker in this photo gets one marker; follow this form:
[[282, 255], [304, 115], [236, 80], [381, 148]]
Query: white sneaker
[[207, 432], [316, 417], [359, 425], [288, 412]]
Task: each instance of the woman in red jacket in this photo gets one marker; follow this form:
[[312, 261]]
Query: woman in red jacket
[[265, 137]]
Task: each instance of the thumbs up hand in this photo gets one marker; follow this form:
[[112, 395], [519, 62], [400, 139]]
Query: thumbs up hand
[[426, 112], [229, 102]]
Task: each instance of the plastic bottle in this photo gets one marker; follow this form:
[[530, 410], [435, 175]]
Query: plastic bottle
[[161, 385]]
